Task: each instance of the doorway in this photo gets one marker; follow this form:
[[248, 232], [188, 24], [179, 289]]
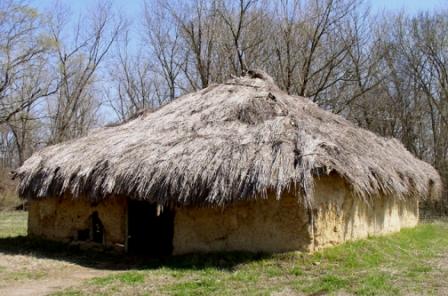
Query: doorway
[[150, 229]]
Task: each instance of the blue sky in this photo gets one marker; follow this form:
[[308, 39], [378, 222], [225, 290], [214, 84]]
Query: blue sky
[[411, 6], [133, 7]]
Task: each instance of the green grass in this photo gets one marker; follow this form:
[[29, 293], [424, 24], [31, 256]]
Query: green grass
[[128, 278], [397, 264], [409, 262], [13, 223]]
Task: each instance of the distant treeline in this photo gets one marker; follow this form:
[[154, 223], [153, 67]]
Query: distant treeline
[[62, 74]]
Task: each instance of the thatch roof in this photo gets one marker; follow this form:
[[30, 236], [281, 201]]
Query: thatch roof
[[231, 141]]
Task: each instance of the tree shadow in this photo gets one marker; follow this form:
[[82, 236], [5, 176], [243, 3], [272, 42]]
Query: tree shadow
[[108, 260]]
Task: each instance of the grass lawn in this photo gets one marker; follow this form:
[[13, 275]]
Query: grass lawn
[[13, 223], [412, 262]]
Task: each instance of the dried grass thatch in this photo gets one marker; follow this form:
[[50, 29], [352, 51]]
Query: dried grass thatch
[[231, 141]]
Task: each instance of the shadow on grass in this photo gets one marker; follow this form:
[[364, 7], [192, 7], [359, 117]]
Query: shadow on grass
[[39, 248]]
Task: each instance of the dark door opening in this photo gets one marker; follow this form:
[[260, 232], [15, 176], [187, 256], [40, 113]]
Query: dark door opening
[[150, 229], [97, 228]]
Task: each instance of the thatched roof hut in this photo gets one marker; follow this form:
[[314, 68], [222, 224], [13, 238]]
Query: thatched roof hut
[[240, 141]]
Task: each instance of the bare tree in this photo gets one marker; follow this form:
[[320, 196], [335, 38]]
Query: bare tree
[[162, 34], [198, 22], [77, 60], [134, 85], [387, 73], [311, 46], [24, 77], [426, 58], [244, 27], [23, 49]]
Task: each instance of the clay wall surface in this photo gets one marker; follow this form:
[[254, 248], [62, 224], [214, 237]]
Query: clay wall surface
[[63, 218], [268, 225], [339, 216], [263, 225]]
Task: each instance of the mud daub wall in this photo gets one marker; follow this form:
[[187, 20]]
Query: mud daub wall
[[341, 217], [264, 225], [63, 219], [260, 226], [283, 225]]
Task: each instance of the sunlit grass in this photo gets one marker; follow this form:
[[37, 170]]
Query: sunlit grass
[[396, 264]]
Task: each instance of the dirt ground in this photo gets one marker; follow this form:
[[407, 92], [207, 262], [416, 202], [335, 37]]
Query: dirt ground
[[29, 275]]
